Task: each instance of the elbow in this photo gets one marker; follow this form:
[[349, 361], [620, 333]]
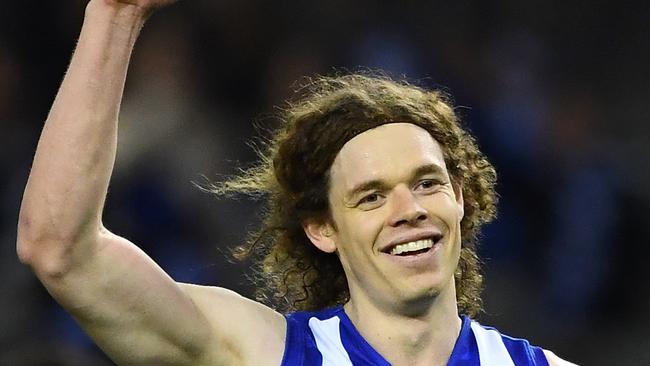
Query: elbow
[[36, 254], [24, 249], [45, 260], [46, 254]]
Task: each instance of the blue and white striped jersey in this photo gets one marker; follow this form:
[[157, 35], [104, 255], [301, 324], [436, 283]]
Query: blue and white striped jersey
[[329, 338]]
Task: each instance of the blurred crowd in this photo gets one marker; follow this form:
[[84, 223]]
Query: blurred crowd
[[555, 92]]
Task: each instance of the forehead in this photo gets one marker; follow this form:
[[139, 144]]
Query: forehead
[[386, 152]]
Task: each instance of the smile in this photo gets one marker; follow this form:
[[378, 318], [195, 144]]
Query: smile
[[413, 247]]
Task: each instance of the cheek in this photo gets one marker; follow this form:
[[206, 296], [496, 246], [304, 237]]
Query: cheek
[[445, 206], [360, 229]]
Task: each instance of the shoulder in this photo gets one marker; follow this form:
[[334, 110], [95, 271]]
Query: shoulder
[[323, 314], [304, 323], [218, 303], [315, 335], [490, 340], [488, 337], [248, 329], [503, 349], [554, 360]]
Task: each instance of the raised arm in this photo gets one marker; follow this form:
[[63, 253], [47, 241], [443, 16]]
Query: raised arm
[[74, 159], [135, 312]]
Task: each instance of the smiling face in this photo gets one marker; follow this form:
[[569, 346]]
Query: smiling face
[[396, 217]]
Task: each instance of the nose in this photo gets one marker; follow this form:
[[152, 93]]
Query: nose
[[405, 208]]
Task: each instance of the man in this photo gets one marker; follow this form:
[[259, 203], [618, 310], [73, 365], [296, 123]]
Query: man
[[371, 187]]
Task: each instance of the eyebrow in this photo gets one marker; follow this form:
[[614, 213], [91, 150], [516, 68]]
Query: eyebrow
[[380, 185]]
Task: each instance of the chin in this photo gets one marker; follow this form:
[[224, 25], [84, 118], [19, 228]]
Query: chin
[[417, 302], [420, 297]]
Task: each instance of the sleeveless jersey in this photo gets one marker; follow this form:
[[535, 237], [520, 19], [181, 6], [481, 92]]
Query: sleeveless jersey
[[328, 338]]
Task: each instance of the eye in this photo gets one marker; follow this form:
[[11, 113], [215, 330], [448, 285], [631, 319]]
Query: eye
[[371, 198], [429, 184], [370, 201]]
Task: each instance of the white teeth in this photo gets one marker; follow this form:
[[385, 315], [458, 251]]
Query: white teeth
[[412, 246]]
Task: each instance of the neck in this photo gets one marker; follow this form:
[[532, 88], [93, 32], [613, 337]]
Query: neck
[[425, 338]]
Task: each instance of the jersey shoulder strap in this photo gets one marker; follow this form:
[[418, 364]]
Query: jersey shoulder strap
[[486, 346], [326, 338]]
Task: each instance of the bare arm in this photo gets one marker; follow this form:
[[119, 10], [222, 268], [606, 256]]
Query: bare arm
[[554, 360], [74, 159], [134, 311]]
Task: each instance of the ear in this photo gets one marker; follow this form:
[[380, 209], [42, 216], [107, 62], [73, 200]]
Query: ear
[[321, 234], [458, 192]]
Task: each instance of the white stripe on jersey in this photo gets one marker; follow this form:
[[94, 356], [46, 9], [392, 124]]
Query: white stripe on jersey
[[328, 340], [491, 350]]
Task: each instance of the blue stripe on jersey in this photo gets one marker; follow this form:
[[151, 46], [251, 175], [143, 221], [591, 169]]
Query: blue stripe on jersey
[[465, 350], [360, 351], [328, 337], [520, 350], [300, 347]]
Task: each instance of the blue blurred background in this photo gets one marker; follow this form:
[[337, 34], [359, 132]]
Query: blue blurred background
[[556, 92]]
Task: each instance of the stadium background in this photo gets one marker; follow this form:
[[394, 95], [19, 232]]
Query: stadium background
[[556, 92]]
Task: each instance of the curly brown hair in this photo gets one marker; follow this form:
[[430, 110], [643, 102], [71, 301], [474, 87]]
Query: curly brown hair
[[292, 177]]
